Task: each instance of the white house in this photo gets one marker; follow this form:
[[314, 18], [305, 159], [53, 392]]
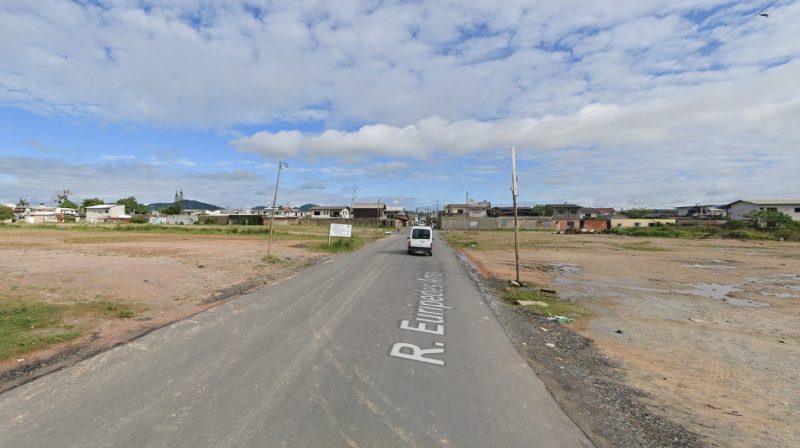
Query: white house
[[330, 211], [102, 213], [700, 211], [739, 210]]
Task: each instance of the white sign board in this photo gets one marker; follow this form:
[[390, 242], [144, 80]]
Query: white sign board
[[473, 224], [342, 230]]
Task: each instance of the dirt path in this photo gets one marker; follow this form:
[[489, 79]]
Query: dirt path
[[708, 328]]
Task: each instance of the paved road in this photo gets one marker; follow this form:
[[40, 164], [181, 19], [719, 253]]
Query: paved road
[[309, 362]]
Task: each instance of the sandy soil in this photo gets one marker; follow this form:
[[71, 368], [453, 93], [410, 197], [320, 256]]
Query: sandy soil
[[163, 277], [709, 328]]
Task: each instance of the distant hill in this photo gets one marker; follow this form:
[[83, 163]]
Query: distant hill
[[187, 204], [306, 207]]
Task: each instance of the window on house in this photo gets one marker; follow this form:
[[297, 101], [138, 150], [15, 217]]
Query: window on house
[[797, 209], [573, 212], [772, 209], [637, 224], [316, 212]]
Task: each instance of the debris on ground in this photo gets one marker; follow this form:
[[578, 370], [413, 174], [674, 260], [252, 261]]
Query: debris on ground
[[561, 319], [532, 303]]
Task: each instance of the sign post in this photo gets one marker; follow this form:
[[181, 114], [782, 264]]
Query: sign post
[[340, 230]]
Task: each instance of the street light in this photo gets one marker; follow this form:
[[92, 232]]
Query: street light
[[281, 164]]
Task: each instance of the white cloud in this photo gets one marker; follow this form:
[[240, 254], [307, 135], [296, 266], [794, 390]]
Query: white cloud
[[113, 157], [759, 106], [217, 65]]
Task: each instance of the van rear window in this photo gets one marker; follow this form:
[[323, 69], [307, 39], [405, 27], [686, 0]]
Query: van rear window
[[421, 234]]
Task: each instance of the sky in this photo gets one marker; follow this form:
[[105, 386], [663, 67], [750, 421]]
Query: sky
[[617, 104]]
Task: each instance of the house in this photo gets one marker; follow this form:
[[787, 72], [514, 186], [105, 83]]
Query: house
[[597, 212], [739, 210], [504, 211], [392, 212], [475, 209], [565, 211], [616, 223], [373, 210], [702, 211], [105, 212], [329, 212]]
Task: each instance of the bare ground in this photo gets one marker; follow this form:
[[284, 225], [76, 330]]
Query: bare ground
[[163, 277], [706, 328]]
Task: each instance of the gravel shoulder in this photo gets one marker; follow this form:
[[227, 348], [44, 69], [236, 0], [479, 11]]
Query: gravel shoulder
[[588, 385]]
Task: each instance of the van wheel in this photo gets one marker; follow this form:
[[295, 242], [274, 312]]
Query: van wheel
[[430, 252]]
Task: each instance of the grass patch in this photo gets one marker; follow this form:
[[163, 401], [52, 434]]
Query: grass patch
[[645, 246], [105, 309], [555, 306], [342, 245], [25, 327], [659, 232]]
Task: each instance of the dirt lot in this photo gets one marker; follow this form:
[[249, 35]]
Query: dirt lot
[[707, 328], [74, 288]]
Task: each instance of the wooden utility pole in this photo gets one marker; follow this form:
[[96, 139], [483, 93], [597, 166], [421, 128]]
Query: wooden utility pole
[[378, 214], [351, 206], [281, 164], [514, 199], [466, 217]]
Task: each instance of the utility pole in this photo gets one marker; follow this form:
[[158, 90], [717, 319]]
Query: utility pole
[[281, 164], [378, 214], [514, 198], [466, 218], [353, 199]]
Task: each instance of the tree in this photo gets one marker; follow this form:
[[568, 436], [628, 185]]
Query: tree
[[133, 207], [6, 213], [771, 219], [23, 202], [66, 203], [91, 201], [637, 213], [542, 210], [173, 209]]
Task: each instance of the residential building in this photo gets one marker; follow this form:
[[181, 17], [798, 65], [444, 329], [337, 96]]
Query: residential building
[[373, 210], [639, 222], [329, 212], [701, 211], [475, 209], [105, 212], [565, 211], [739, 210]]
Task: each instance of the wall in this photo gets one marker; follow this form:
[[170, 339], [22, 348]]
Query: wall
[[174, 219], [644, 222], [505, 222]]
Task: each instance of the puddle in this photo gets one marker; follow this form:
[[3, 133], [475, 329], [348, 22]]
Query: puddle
[[564, 268], [713, 263], [721, 292], [706, 266]]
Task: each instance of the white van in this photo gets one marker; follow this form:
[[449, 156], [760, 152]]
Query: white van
[[420, 240]]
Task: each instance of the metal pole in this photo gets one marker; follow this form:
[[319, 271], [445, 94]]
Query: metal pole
[[272, 212], [378, 214], [514, 198]]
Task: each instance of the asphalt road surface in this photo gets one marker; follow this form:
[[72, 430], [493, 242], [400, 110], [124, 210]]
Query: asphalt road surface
[[375, 348]]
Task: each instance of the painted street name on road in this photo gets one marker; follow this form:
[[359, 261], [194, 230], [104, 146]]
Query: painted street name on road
[[429, 318]]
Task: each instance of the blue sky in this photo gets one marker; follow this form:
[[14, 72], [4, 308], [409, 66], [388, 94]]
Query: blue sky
[[629, 104]]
